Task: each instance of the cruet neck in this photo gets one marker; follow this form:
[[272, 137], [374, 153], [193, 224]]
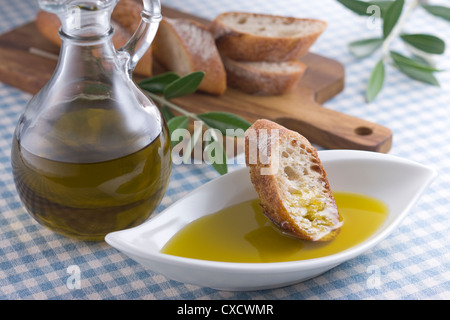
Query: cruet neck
[[81, 19]]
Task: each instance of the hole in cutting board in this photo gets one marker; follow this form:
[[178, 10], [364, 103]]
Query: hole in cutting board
[[363, 131]]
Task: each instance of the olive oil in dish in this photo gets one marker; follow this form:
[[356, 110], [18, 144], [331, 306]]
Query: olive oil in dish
[[241, 233]]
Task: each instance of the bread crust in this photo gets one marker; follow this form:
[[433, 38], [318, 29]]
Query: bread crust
[[260, 81], [245, 46], [184, 46], [267, 188]]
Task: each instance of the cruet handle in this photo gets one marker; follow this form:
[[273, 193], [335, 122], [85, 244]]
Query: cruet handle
[[141, 40]]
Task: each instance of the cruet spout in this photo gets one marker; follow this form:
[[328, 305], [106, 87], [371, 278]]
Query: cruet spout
[[141, 40]]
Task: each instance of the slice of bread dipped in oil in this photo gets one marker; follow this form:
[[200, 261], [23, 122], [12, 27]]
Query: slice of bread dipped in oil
[[291, 182]]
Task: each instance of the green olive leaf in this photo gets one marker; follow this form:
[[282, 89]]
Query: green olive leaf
[[382, 4], [183, 86], [363, 7], [438, 11], [193, 140], [358, 7], [223, 121], [365, 47], [423, 61], [414, 69], [417, 74], [158, 83], [167, 114], [179, 122], [216, 156], [425, 42], [391, 16], [413, 63], [376, 81]]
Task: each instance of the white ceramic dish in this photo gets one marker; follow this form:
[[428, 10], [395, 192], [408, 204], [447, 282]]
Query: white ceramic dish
[[396, 181]]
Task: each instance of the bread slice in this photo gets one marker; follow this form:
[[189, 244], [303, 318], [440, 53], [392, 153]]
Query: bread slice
[[263, 78], [291, 182], [48, 25], [260, 37], [185, 46]]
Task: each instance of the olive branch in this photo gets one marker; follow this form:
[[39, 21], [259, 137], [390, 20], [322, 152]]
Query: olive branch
[[394, 14], [167, 86]]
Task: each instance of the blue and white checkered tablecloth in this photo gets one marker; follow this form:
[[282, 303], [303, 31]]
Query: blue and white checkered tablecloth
[[413, 262]]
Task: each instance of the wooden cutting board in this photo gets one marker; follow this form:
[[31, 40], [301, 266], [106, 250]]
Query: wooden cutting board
[[300, 110]]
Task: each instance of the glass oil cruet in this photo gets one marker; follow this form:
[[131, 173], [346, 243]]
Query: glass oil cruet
[[91, 152]]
